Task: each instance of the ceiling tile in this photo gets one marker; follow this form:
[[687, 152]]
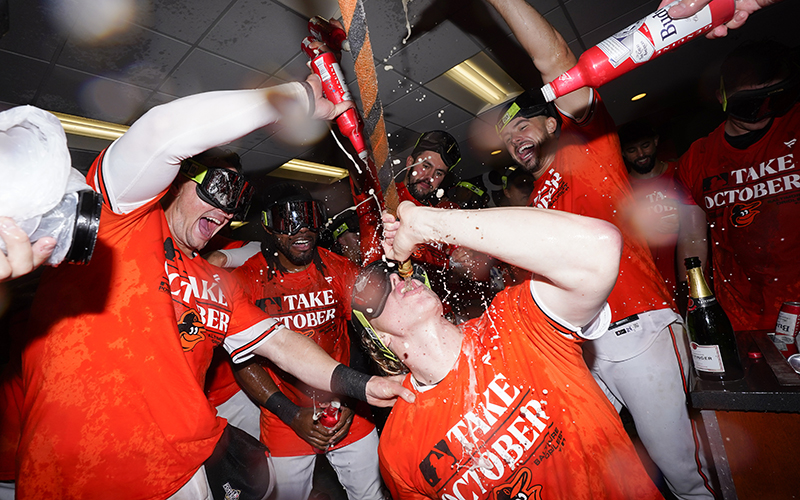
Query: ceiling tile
[[392, 85], [19, 86], [30, 31], [259, 34], [82, 94], [589, 16], [413, 106], [434, 52], [183, 19], [202, 71], [138, 56], [446, 118]]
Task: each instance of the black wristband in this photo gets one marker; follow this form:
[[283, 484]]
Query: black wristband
[[311, 98], [282, 407], [349, 382]]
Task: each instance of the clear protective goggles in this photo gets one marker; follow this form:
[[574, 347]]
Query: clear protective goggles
[[370, 291], [222, 188], [373, 286], [754, 105], [289, 217]]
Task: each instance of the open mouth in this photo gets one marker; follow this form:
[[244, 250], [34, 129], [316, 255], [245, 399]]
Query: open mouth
[[526, 152], [208, 225], [302, 244]]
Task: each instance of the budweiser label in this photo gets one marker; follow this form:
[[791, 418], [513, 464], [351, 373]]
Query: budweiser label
[[786, 328]]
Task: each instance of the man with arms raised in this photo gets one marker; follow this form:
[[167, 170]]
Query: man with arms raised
[[505, 406], [114, 404], [572, 151]]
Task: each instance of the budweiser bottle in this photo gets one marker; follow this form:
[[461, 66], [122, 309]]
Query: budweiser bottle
[[335, 89], [712, 342], [638, 43]]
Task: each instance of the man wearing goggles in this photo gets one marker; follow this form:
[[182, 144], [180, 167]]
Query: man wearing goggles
[[223, 187], [308, 289], [518, 366], [743, 187], [151, 312]]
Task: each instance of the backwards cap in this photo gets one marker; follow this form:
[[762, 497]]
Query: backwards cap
[[527, 105]]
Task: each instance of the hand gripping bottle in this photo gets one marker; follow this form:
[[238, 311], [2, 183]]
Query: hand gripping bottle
[[327, 68], [329, 415], [635, 45], [329, 34]]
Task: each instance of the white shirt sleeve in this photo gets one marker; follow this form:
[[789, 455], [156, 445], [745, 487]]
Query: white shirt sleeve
[[595, 328], [238, 256], [143, 162]]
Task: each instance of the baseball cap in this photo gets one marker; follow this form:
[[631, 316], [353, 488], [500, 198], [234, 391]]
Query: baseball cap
[[440, 142], [527, 105]]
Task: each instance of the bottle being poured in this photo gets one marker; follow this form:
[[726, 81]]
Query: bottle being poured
[[406, 270]]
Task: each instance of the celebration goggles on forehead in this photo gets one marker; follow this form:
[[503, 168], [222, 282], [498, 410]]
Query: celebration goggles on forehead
[[222, 188], [440, 142], [370, 291], [754, 105], [289, 217]]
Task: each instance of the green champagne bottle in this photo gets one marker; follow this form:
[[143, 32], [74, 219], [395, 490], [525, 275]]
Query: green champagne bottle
[[712, 342]]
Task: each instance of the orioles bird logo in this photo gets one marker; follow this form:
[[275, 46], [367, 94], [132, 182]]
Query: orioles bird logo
[[519, 488], [192, 330], [742, 214]]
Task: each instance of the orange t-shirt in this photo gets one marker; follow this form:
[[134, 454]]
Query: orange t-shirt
[[588, 177], [751, 198], [114, 403], [655, 214], [518, 414], [317, 304]]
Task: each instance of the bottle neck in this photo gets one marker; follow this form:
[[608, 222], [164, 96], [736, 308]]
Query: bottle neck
[[698, 288]]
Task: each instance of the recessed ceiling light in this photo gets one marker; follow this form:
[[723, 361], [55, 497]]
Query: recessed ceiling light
[[638, 96], [496, 152], [476, 84]]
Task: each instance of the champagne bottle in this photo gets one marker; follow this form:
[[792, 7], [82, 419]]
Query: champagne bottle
[[713, 344]]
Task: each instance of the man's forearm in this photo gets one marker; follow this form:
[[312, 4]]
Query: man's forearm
[[145, 160], [550, 53], [563, 247]]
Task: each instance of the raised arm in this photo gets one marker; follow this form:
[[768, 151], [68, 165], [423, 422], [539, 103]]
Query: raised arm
[[550, 53], [144, 161], [575, 259]]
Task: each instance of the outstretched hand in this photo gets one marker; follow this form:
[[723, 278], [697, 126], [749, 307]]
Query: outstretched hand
[[744, 8], [23, 257], [384, 391]]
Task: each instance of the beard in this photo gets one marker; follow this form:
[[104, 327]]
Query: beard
[[644, 168], [416, 191], [296, 257]]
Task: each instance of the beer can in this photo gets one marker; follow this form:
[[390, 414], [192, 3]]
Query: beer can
[[786, 328]]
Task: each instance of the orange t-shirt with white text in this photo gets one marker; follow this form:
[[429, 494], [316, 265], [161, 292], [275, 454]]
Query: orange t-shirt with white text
[[114, 404], [518, 416]]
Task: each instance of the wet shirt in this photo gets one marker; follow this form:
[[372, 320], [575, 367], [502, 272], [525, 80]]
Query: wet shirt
[[588, 177], [114, 403], [519, 416], [655, 215], [316, 304], [751, 198]]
